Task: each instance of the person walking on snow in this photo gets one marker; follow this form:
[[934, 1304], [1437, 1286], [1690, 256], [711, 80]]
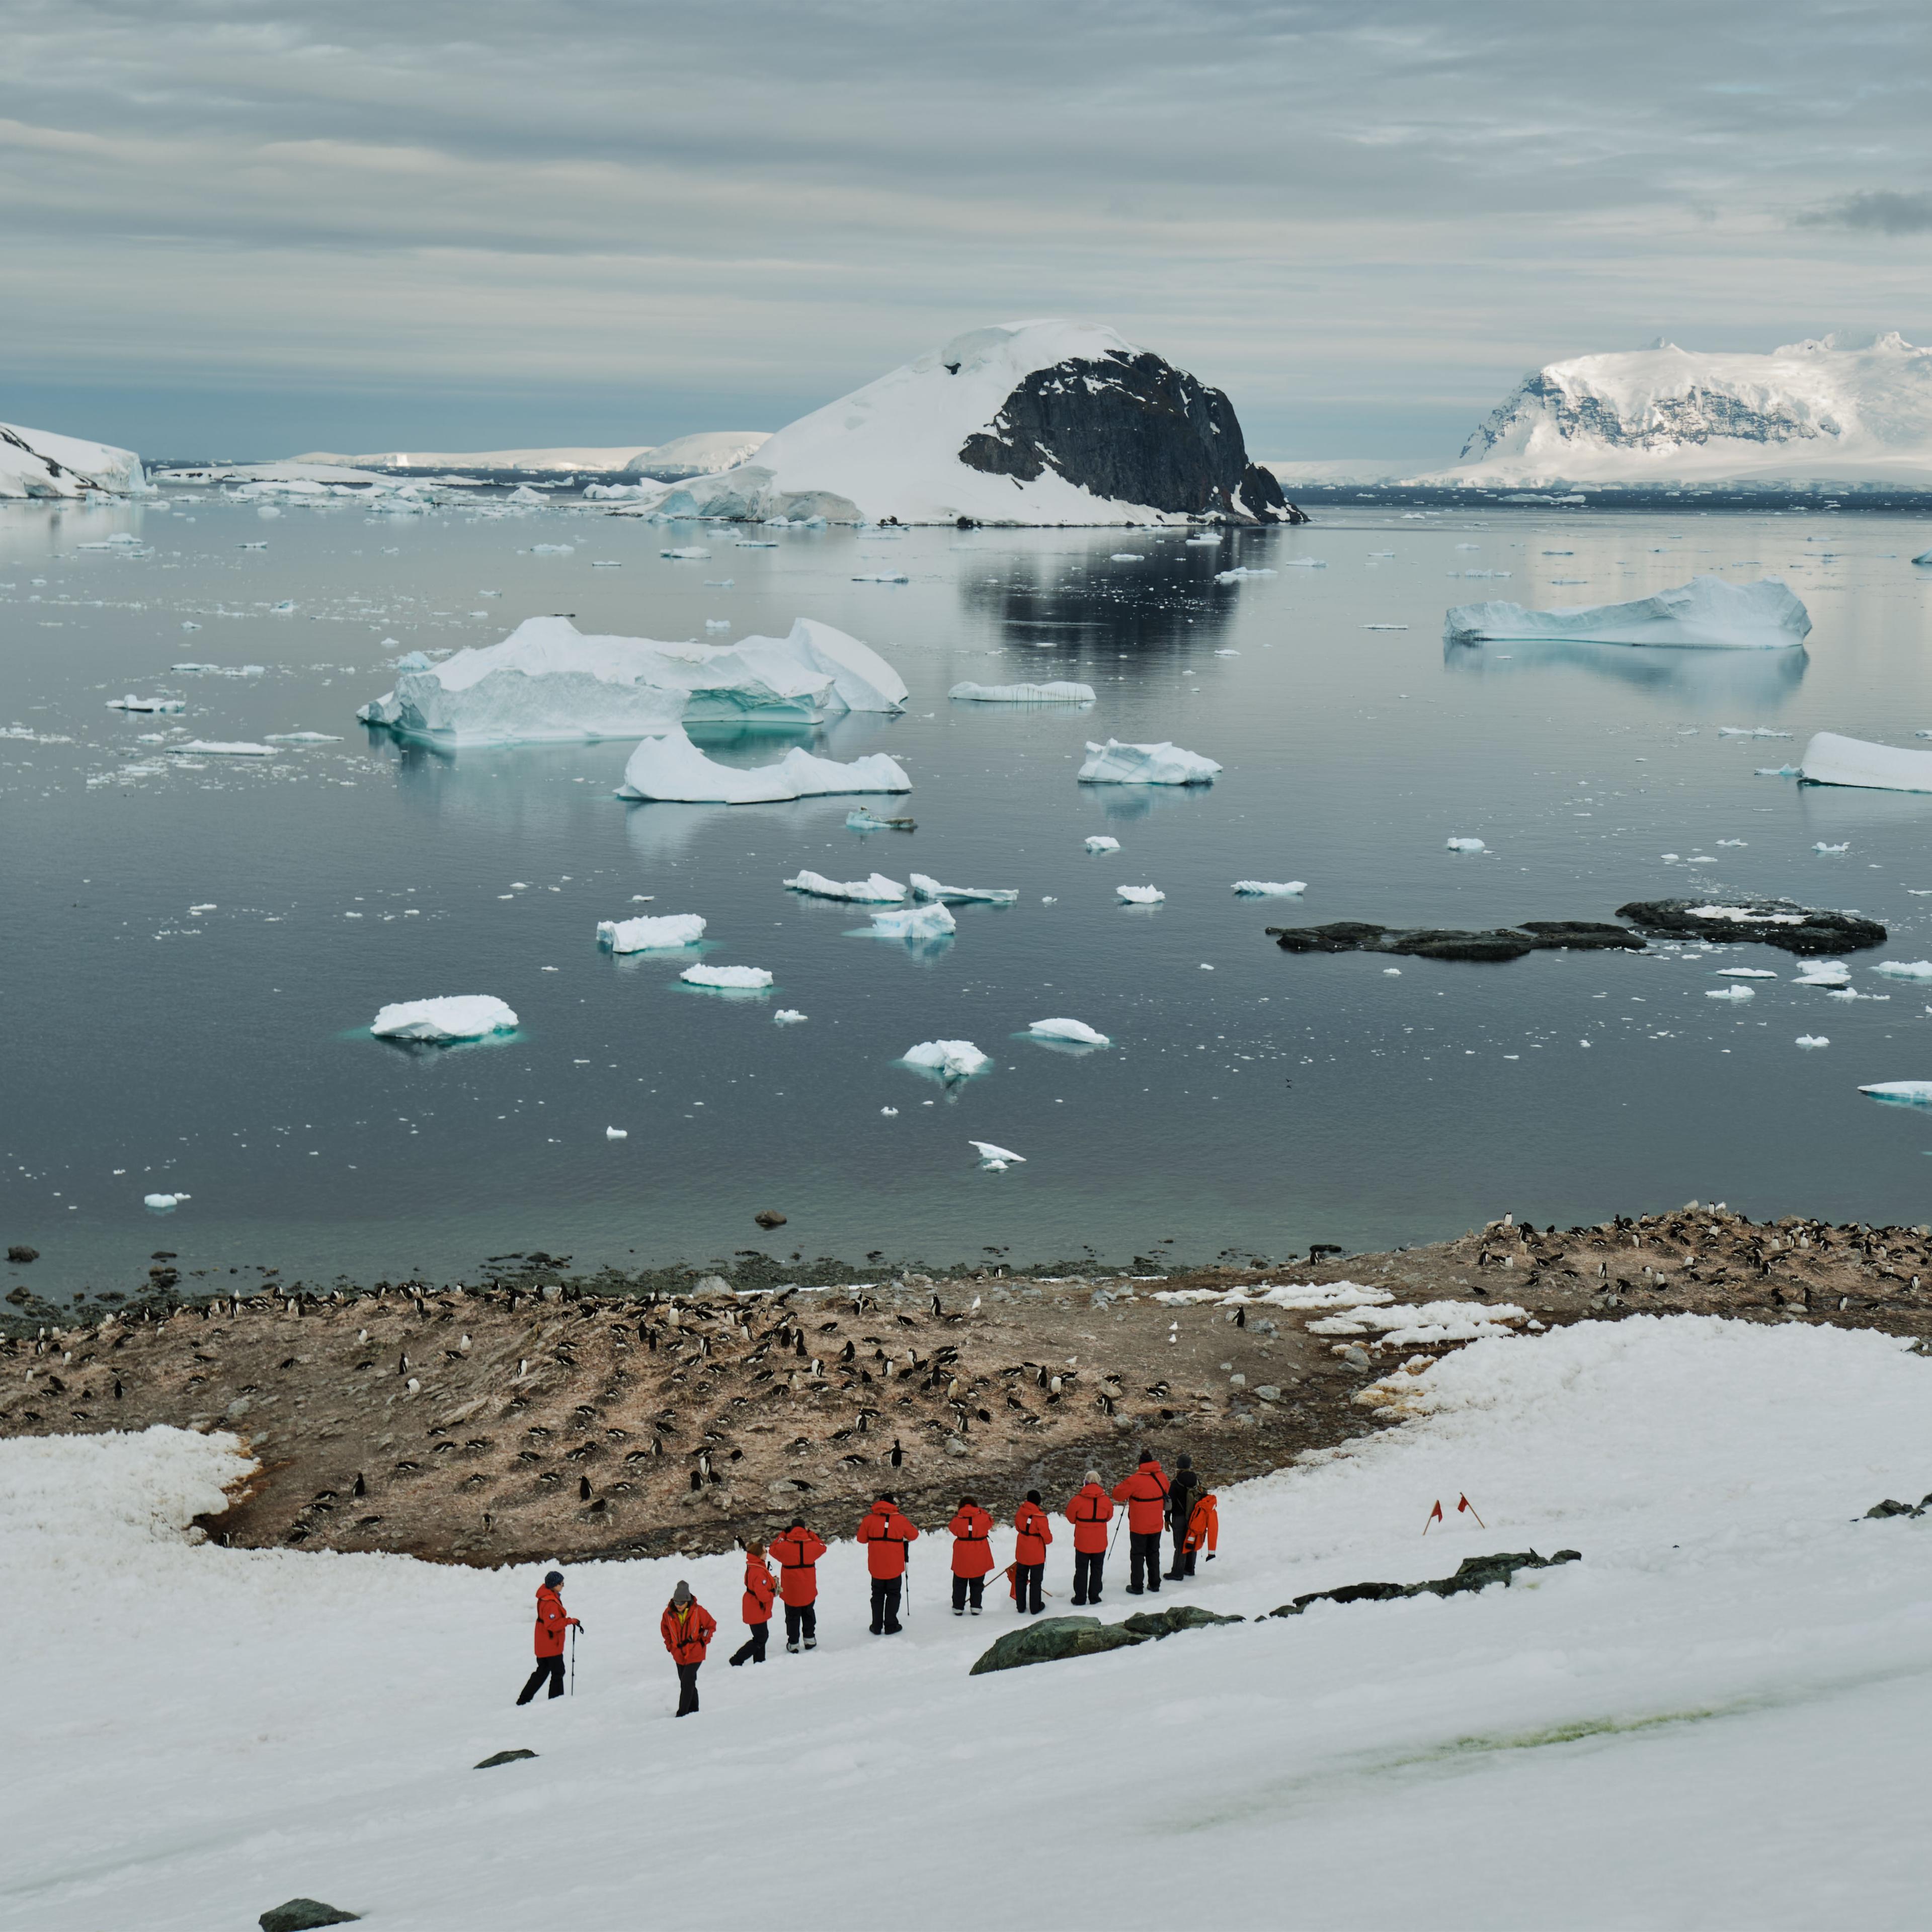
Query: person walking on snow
[[885, 1534], [798, 1551], [1090, 1512], [1035, 1533], [1179, 1510], [1204, 1527], [971, 1529], [1145, 1492], [760, 1586], [688, 1628], [551, 1625]]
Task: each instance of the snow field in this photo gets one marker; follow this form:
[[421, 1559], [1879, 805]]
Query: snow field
[[1716, 1719]]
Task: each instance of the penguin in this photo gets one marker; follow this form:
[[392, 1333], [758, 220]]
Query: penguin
[[583, 1488], [361, 1488], [798, 1341], [402, 1365], [897, 1454]]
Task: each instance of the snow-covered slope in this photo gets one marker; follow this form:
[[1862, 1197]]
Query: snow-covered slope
[[1716, 1719], [695, 455], [1032, 422], [37, 462]]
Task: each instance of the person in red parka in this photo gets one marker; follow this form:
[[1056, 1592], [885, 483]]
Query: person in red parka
[[798, 1551], [551, 1625], [1204, 1531], [1090, 1512], [885, 1534], [972, 1531], [1145, 1492], [760, 1586], [688, 1628], [1035, 1533]]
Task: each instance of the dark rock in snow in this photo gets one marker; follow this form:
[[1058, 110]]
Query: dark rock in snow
[[1891, 1507], [1473, 1573], [769, 1218], [1158, 1624], [502, 1757], [304, 1915], [1779, 922], [1431, 943], [1046, 1639]]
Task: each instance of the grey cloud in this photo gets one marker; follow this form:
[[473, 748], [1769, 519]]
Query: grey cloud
[[1886, 211]]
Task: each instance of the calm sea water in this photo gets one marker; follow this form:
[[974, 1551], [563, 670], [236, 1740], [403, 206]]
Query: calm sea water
[[1253, 1103]]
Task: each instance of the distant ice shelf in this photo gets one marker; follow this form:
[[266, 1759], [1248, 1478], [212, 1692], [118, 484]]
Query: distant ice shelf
[[1707, 613]]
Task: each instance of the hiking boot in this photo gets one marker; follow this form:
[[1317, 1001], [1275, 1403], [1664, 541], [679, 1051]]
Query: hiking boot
[[811, 1643], [976, 1609], [1134, 1590], [793, 1647], [959, 1610], [893, 1630], [1078, 1601]]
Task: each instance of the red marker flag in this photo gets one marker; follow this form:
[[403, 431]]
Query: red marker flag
[[1435, 1515], [1463, 1503]]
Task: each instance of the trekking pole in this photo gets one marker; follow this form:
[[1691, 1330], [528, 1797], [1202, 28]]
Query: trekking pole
[[573, 1660]]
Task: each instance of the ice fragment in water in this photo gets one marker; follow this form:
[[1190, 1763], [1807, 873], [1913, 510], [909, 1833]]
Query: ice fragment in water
[[1056, 693], [131, 703], [1465, 845], [1707, 613], [925, 888], [453, 1016], [877, 890], [1906, 969], [1240, 571], [1076, 1032], [1270, 888], [209, 747], [728, 978], [1812, 1040], [1730, 993], [996, 1158], [918, 921], [643, 935], [162, 1202], [1126, 556], [1745, 973], [1907, 1092], [1823, 972], [1832, 759], [1141, 895], [1164, 763], [883, 577], [672, 770], [686, 554], [1100, 842], [1821, 847], [950, 1059], [616, 1133], [787, 1016]]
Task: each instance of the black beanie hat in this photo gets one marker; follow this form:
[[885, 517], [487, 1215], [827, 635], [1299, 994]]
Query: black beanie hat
[[555, 1577], [1033, 1496]]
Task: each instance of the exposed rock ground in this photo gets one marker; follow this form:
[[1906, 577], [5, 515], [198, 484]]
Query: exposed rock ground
[[557, 1418]]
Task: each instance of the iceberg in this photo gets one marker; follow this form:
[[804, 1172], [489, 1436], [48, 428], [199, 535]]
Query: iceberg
[[1906, 1092], [728, 978], [918, 921], [37, 462], [131, 703], [950, 1059], [1812, 1039], [671, 768], [1058, 693], [1924, 556], [1823, 972], [217, 747], [1905, 969], [1270, 888], [162, 1203], [925, 888], [1465, 845], [649, 933], [1116, 764], [1706, 613], [1240, 571], [1141, 895], [1076, 1033], [995, 1159], [1730, 993], [877, 890], [1831, 760], [1100, 842], [454, 1017], [788, 1016]]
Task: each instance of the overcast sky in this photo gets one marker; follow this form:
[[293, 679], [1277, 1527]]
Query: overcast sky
[[250, 229]]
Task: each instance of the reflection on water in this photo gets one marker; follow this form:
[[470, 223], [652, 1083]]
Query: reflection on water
[[1761, 680]]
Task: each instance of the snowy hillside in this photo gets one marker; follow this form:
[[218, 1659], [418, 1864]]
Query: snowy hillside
[[1033, 422], [696, 455], [37, 462], [1717, 1718]]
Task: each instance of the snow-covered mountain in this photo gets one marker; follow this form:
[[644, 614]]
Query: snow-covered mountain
[[1033, 422], [37, 462], [696, 455]]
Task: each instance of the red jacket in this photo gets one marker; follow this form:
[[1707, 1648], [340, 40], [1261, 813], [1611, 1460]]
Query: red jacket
[[1204, 1526], [885, 1533], [1145, 1492], [797, 1553], [972, 1553], [1035, 1533], [1090, 1512], [688, 1632], [760, 1586], [551, 1622]]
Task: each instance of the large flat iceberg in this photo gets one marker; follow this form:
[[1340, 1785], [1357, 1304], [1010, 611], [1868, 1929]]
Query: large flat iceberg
[[728, 978], [950, 1059], [548, 682], [1116, 764], [913, 922], [672, 770], [1833, 761], [1056, 693], [1707, 613], [1072, 1033], [648, 933], [455, 1016], [925, 887], [37, 462], [876, 890]]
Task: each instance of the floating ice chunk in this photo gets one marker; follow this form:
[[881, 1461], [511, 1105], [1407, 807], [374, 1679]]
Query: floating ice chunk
[[728, 978], [303, 738], [1730, 993], [454, 1016], [1821, 847], [686, 554], [1227, 654], [1100, 842], [672, 769], [1905, 969], [950, 1059], [996, 1159], [1823, 972], [883, 577], [1809, 1040], [1832, 759], [1465, 845], [523, 493], [1126, 556], [1240, 570], [1077, 1032], [1164, 763], [131, 703], [649, 933], [616, 1133], [1141, 895], [413, 661], [1384, 627], [1391, 972], [1056, 693], [788, 1016], [890, 1113], [163, 1203], [860, 819], [877, 890], [1776, 771], [1752, 731], [1924, 556], [925, 888], [1306, 563], [1271, 889], [1707, 613], [918, 921], [1905, 1092], [214, 747], [1745, 973]]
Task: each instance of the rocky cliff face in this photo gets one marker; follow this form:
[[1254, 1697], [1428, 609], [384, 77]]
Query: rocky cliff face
[[1129, 426], [1697, 415]]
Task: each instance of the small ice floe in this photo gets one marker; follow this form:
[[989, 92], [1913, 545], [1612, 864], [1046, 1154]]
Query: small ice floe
[[1905, 969], [1214, 543], [917, 922], [672, 770], [453, 1017], [1924, 556], [1164, 763], [301, 738], [216, 747], [1811, 1039], [1100, 842], [1902, 1093], [881, 577], [1730, 993], [1465, 845], [1227, 654], [859, 820], [1240, 570], [164, 1203], [1141, 895], [995, 1159], [890, 1113], [950, 1059], [1670, 858], [1745, 973], [1821, 847], [877, 890], [1752, 731], [925, 888], [728, 978], [283, 607], [1385, 627], [616, 1133], [1776, 771], [717, 623], [1830, 759], [1059, 692], [131, 703], [651, 932], [787, 1016], [1306, 563], [685, 553], [1391, 972], [413, 661], [1127, 556], [1271, 889], [1823, 972], [1074, 1033]]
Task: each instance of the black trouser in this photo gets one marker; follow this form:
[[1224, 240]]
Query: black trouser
[[1182, 1565], [965, 1586], [1144, 1553], [885, 1606], [687, 1686], [551, 1667], [754, 1645], [1026, 1586], [801, 1620], [1087, 1564]]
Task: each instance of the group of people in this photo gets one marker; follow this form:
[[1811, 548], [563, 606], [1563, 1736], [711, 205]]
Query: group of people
[[1154, 1502]]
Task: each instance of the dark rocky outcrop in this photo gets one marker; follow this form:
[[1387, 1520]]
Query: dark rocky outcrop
[[1473, 1573], [1780, 923], [1890, 1507], [1132, 429], [501, 1757], [1158, 1624], [304, 1915], [1433, 943], [1047, 1639]]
